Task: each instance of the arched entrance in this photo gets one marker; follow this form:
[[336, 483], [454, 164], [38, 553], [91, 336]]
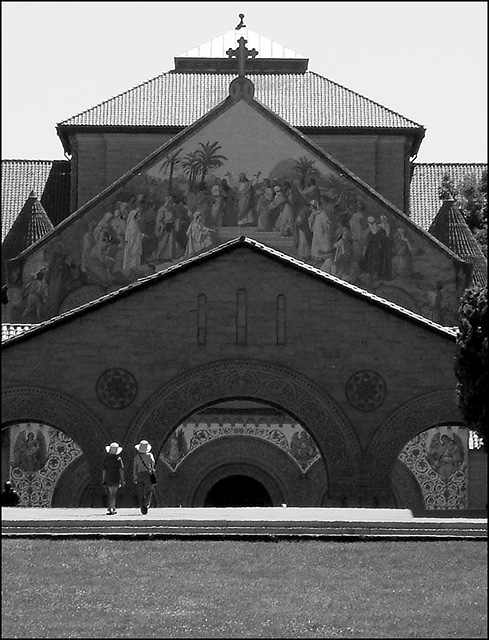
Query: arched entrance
[[238, 491], [254, 453], [322, 421]]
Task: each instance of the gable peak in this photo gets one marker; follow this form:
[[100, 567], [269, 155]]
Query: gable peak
[[217, 47], [212, 56]]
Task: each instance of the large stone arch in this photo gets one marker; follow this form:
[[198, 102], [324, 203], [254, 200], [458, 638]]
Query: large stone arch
[[240, 455], [405, 423], [35, 404], [264, 382]]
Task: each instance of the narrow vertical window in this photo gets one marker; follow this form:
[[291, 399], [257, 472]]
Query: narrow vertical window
[[281, 319], [202, 319], [241, 316]]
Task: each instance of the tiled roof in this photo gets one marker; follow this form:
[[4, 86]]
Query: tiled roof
[[450, 227], [31, 225], [12, 330], [48, 178], [175, 99], [426, 180], [19, 178]]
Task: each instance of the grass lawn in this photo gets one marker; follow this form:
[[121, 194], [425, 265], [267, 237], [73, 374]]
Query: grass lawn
[[243, 589]]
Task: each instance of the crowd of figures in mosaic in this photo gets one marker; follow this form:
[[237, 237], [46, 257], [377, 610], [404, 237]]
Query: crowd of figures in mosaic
[[438, 458], [188, 203]]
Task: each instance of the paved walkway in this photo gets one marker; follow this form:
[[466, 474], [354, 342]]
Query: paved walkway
[[245, 522]]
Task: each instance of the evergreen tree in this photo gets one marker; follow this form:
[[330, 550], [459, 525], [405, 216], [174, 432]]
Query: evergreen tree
[[472, 199], [471, 360], [470, 195], [447, 190]]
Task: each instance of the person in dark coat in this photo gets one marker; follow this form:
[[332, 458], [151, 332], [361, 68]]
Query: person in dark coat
[[113, 474], [10, 497]]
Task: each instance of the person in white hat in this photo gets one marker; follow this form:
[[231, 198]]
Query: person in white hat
[[144, 474], [113, 474]]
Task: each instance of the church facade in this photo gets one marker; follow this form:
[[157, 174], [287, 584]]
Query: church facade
[[248, 293]]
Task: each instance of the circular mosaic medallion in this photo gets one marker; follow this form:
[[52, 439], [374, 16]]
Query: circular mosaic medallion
[[117, 388], [365, 390]]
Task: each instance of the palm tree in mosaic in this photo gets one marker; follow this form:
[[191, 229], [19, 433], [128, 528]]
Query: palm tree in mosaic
[[191, 165], [306, 169], [341, 189], [169, 163], [209, 158]]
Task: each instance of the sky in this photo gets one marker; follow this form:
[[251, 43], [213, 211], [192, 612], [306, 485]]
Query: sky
[[424, 60]]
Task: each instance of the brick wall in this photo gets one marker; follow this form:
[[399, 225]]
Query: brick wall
[[100, 159], [330, 335]]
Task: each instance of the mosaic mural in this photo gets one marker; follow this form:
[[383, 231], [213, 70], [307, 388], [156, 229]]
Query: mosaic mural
[[438, 460], [38, 456], [290, 438], [195, 198]]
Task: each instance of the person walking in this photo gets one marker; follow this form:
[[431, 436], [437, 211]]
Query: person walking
[[113, 474], [144, 474]]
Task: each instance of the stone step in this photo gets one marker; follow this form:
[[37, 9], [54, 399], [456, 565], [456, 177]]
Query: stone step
[[266, 523], [270, 238]]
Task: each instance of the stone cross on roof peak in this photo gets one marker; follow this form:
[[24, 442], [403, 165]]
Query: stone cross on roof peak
[[241, 53]]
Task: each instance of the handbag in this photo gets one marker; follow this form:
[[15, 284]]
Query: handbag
[[152, 474]]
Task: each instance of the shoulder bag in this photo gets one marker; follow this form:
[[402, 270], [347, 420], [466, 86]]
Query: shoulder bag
[[152, 474]]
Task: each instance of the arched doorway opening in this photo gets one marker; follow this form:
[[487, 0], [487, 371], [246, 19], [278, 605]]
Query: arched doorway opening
[[238, 491], [240, 453], [311, 465]]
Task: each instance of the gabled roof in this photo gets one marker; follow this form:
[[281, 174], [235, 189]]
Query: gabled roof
[[271, 115], [303, 99], [450, 227], [211, 254], [50, 179], [176, 100], [427, 177]]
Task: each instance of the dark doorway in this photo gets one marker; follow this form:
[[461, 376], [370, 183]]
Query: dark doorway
[[238, 491]]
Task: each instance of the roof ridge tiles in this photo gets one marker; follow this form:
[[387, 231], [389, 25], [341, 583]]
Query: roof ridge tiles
[[450, 164], [17, 160]]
